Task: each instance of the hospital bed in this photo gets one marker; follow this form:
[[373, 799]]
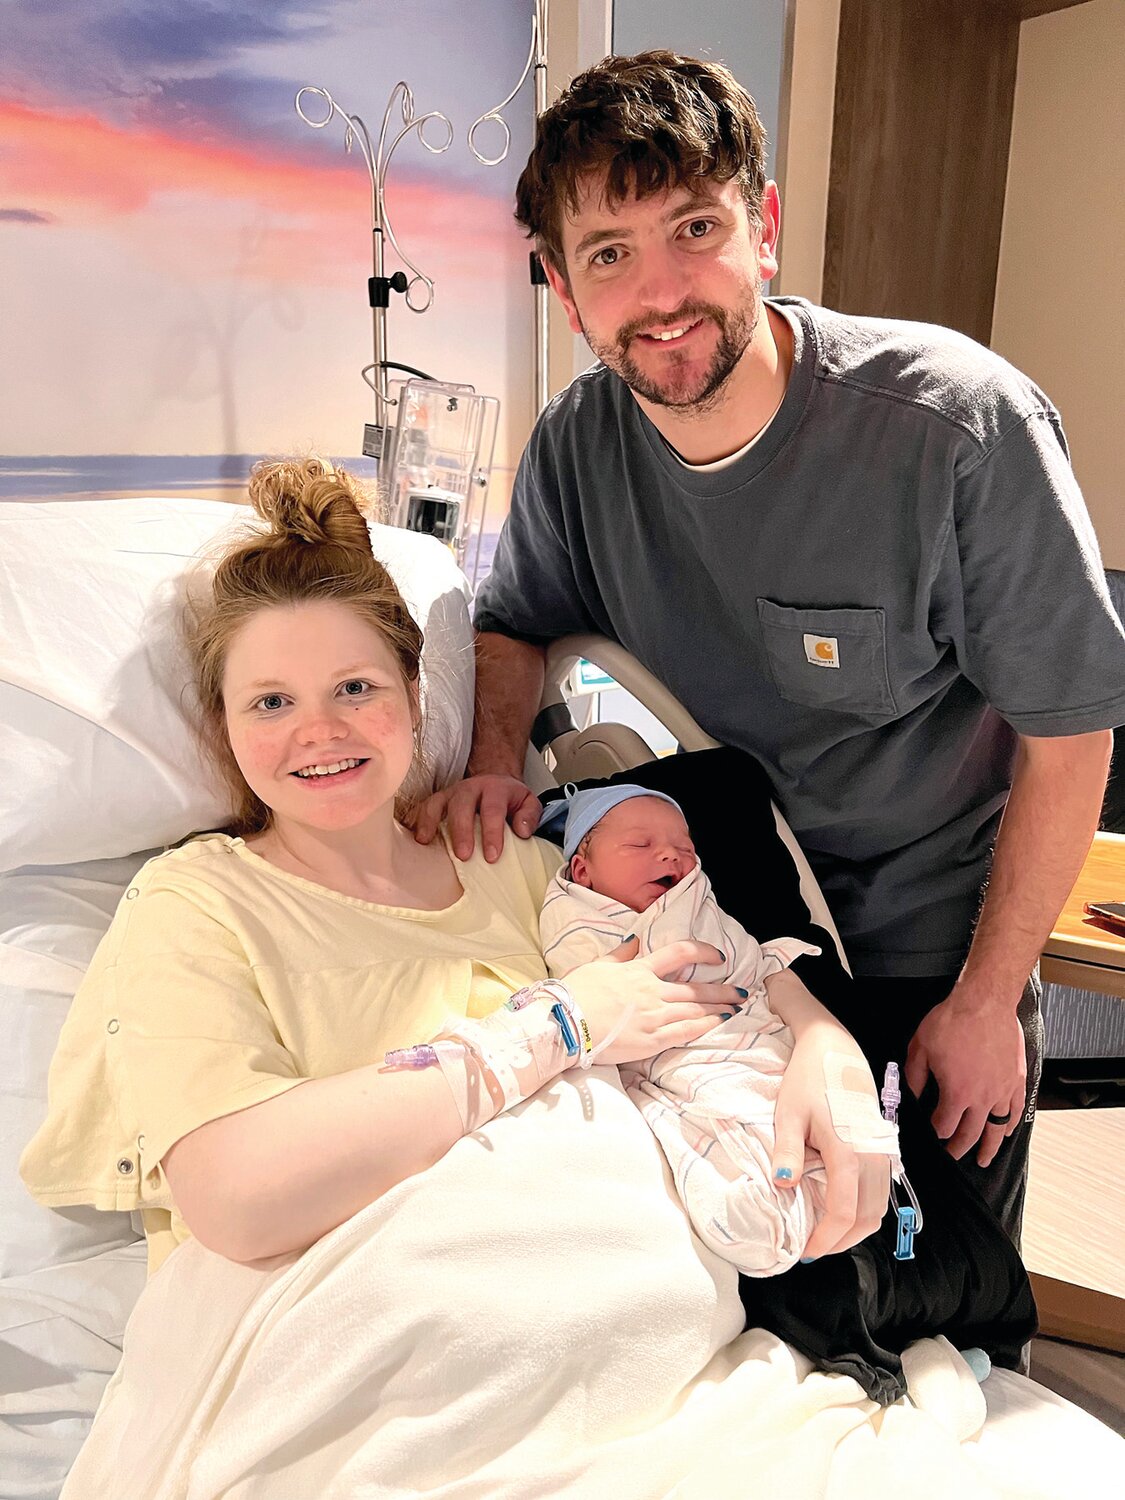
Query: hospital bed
[[98, 768]]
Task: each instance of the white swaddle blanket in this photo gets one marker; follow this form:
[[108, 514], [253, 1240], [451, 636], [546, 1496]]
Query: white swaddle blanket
[[711, 1104]]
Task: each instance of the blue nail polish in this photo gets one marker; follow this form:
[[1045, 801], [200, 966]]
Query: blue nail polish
[[721, 954], [630, 938], [807, 1260], [744, 993], [783, 1174], [726, 1015]]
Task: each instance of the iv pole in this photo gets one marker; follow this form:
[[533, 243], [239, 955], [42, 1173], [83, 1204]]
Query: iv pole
[[380, 286], [537, 59]]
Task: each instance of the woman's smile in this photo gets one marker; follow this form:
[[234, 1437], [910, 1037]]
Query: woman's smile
[[320, 775]]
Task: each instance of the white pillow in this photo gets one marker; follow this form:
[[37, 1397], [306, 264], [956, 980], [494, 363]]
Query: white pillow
[[96, 754]]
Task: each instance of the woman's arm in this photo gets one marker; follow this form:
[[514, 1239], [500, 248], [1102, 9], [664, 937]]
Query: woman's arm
[[858, 1184], [791, 1002], [274, 1178]]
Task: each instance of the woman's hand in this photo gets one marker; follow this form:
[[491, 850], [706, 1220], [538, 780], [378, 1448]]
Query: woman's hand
[[627, 998], [858, 1183]]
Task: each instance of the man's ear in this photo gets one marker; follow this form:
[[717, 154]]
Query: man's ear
[[560, 285], [770, 232]]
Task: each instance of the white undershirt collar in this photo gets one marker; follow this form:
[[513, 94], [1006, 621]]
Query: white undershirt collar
[[721, 463]]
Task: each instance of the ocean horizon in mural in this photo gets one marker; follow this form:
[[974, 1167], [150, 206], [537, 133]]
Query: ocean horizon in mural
[[185, 261], [204, 476]]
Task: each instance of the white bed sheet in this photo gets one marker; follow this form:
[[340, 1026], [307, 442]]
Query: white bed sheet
[[61, 1330]]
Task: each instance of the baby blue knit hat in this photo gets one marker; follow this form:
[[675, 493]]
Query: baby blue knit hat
[[581, 810]]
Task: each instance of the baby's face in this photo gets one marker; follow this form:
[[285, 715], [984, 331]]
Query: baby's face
[[639, 850]]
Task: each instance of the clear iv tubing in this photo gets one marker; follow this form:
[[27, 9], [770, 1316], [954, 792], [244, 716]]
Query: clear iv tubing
[[919, 1221], [891, 1093], [890, 1097], [612, 1034]]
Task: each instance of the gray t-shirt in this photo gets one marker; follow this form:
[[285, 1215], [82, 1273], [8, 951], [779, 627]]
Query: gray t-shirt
[[894, 581]]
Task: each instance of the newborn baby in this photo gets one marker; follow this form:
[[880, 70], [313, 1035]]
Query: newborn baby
[[631, 870]]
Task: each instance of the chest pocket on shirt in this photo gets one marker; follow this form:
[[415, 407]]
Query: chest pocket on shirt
[[828, 658]]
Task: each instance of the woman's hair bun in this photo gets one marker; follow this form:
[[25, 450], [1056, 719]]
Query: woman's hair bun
[[308, 500]]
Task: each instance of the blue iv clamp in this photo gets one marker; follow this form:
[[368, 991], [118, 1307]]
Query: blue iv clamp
[[904, 1239]]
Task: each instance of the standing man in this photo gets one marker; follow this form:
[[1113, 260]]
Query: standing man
[[853, 548]]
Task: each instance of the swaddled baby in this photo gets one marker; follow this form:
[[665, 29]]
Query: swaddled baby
[[632, 870]]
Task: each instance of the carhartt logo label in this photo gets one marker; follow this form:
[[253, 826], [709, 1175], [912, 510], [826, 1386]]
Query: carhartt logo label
[[822, 650]]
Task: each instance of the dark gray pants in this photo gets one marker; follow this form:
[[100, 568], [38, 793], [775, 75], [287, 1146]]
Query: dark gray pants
[[886, 1015]]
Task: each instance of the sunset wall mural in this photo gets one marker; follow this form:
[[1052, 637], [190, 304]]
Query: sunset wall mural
[[185, 262]]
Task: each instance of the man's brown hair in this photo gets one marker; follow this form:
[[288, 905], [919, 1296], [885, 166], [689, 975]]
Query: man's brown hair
[[647, 123]]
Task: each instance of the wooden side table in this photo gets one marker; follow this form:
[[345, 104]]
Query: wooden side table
[[1079, 952], [1074, 1226]]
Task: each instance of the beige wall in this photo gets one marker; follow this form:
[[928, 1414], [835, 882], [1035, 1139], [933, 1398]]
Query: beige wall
[[1060, 299], [805, 145]]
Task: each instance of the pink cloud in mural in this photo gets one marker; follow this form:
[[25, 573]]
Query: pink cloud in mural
[[79, 169]]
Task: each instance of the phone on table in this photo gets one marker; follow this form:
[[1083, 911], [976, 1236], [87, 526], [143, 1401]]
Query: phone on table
[[1112, 913]]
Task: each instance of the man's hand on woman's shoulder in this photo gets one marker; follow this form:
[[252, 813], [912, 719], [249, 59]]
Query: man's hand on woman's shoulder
[[497, 799]]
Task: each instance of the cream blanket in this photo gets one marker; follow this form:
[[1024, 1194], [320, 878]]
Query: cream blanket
[[531, 1317]]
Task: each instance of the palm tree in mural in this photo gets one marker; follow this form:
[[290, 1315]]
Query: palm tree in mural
[[200, 355]]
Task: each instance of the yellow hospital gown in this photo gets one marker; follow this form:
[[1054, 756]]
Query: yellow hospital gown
[[223, 981]]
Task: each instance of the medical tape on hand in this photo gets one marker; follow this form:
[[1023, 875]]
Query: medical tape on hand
[[855, 1114]]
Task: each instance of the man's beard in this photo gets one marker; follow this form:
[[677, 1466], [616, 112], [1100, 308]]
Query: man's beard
[[736, 329]]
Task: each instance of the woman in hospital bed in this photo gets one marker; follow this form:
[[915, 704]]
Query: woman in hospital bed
[[402, 1300]]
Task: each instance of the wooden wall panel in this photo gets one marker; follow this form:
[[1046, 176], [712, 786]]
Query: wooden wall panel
[[923, 113]]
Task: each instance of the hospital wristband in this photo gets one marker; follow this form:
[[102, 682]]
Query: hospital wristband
[[579, 1026], [567, 1012]]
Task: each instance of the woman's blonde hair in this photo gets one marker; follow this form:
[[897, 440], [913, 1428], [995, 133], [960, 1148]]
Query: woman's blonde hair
[[317, 547]]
